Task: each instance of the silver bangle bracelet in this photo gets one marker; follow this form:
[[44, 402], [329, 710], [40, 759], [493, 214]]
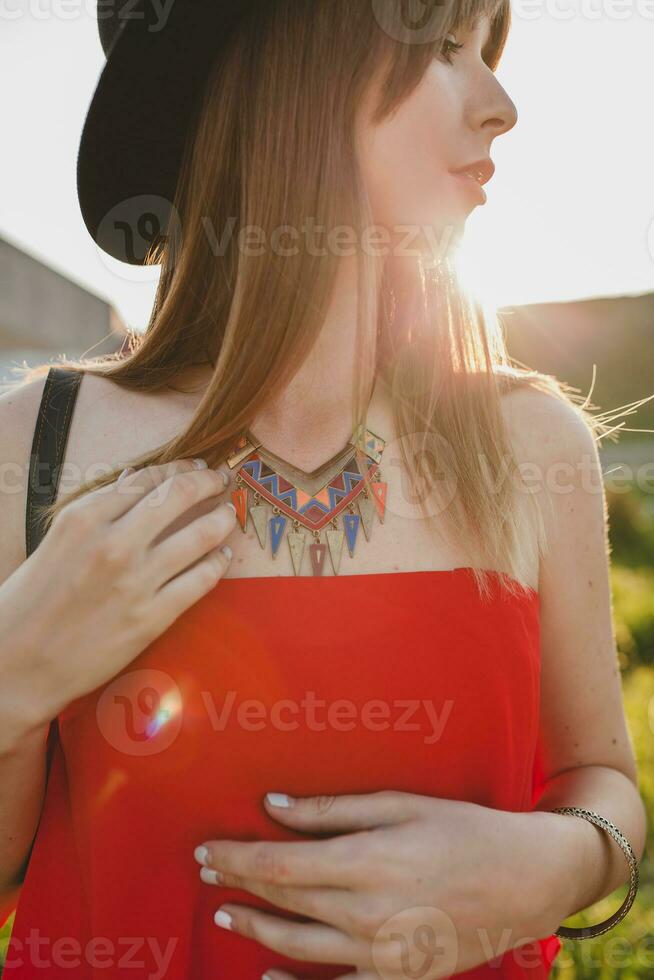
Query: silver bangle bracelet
[[587, 932]]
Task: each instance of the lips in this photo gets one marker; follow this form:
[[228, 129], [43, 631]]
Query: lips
[[480, 170]]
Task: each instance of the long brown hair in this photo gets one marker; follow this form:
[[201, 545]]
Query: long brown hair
[[268, 159]]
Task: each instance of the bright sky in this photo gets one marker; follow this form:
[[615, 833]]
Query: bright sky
[[570, 210]]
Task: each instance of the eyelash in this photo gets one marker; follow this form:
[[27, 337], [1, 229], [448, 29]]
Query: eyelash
[[448, 47]]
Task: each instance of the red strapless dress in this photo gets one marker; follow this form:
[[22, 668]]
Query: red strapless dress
[[184, 743]]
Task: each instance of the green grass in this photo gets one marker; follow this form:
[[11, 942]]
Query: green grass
[[627, 951], [5, 933]]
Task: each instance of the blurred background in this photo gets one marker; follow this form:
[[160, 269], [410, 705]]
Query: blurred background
[[564, 248]]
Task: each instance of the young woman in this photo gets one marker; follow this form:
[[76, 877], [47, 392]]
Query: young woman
[[427, 670]]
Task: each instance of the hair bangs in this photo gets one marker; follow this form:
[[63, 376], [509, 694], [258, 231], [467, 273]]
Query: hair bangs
[[406, 59]]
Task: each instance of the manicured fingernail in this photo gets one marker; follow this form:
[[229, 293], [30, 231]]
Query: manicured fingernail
[[210, 876], [266, 976], [231, 506], [222, 918], [226, 477], [126, 472], [227, 552], [279, 799], [201, 854], [200, 464]]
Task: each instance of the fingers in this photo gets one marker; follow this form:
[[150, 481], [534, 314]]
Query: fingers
[[334, 861], [190, 544], [333, 906], [311, 942], [167, 501], [275, 974], [184, 590], [347, 812], [111, 501]]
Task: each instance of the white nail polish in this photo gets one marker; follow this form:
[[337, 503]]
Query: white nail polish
[[210, 876], [278, 799], [222, 918], [126, 472], [201, 854]]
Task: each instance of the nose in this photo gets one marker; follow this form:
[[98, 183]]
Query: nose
[[495, 113]]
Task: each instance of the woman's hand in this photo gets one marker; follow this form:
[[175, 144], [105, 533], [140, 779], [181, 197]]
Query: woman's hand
[[108, 578], [407, 883]]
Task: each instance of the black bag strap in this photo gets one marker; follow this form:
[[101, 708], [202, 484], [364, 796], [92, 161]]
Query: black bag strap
[[48, 448]]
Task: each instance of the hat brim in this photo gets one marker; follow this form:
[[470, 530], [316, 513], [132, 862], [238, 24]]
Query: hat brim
[[135, 129]]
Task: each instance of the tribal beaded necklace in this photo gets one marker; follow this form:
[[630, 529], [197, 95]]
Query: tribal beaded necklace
[[347, 487]]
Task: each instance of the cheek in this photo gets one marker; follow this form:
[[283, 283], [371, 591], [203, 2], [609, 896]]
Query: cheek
[[406, 165]]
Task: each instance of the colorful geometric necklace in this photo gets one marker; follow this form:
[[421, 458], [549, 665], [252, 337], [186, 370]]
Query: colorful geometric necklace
[[282, 499]]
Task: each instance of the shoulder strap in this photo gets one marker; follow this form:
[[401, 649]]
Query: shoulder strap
[[48, 448]]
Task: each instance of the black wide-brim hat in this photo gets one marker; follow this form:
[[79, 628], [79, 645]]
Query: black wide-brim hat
[[159, 53]]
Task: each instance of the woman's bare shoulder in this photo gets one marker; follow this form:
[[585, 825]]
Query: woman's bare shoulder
[[110, 423], [113, 425], [19, 407], [545, 427]]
